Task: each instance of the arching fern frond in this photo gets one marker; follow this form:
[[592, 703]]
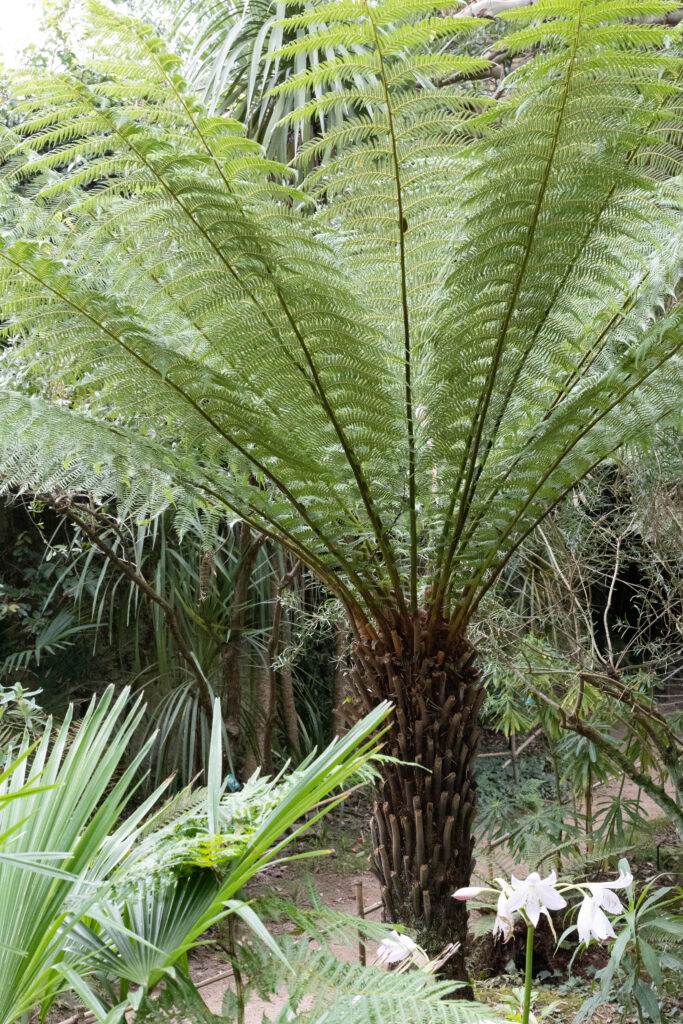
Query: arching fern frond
[[332, 989], [396, 364]]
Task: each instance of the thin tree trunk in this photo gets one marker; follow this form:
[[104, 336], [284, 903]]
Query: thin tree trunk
[[588, 817], [285, 690], [422, 822], [341, 708], [264, 718], [231, 652], [77, 515], [290, 721], [558, 789]]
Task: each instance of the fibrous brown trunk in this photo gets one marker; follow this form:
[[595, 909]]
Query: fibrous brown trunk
[[423, 812]]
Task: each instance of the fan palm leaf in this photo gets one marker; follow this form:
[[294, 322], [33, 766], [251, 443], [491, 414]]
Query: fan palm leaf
[[62, 844]]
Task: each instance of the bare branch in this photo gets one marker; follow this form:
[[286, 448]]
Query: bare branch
[[494, 8]]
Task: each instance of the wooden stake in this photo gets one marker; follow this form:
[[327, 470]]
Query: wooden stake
[[360, 910], [513, 758]]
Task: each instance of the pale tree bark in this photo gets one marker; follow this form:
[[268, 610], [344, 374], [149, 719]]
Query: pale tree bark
[[495, 8], [281, 679], [341, 709], [260, 754], [290, 721], [274, 688]]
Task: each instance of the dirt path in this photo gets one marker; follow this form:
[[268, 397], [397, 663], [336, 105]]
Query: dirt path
[[337, 891]]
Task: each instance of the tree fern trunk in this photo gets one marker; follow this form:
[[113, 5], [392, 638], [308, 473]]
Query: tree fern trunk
[[422, 822]]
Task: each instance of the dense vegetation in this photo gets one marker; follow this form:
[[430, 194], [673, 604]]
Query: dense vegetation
[[341, 383]]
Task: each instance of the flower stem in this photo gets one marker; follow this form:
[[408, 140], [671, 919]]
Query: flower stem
[[527, 975]]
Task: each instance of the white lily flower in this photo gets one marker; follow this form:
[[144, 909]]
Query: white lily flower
[[504, 923], [592, 921], [534, 895], [395, 948], [603, 892], [469, 892]]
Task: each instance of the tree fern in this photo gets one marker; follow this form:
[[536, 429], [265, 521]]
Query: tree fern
[[395, 363]]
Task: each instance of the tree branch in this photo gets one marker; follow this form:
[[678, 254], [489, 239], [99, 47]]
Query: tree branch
[[131, 572], [495, 8]]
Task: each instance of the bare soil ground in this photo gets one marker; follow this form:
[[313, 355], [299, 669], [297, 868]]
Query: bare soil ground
[[336, 891]]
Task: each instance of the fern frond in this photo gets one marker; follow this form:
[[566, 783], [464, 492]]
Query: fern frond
[[398, 362]]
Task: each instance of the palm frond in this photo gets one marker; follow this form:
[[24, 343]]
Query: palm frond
[[60, 856]]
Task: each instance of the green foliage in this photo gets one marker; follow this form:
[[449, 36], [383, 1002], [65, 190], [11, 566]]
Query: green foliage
[[187, 840], [411, 373], [312, 975], [169, 897], [20, 714], [514, 1003], [370, 994], [38, 622], [88, 897], [320, 986], [194, 574], [235, 62], [585, 619], [646, 952], [527, 818], [67, 844]]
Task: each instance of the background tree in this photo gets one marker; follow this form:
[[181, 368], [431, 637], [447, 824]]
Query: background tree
[[87, 596], [587, 618], [396, 370]]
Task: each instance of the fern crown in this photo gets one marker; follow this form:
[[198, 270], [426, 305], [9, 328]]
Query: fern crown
[[394, 356]]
